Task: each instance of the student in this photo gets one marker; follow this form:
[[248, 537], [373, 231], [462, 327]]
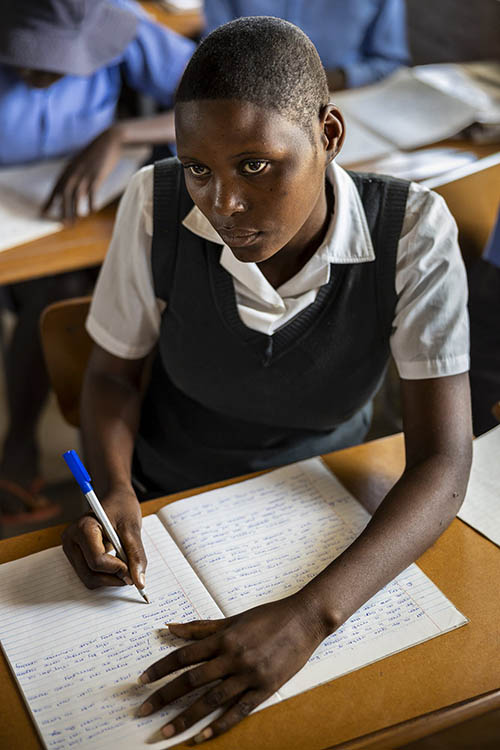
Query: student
[[272, 290], [63, 64], [359, 42]]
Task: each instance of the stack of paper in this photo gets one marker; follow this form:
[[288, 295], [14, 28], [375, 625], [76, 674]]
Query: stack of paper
[[481, 507]]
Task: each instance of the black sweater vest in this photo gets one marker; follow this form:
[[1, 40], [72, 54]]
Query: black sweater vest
[[225, 400]]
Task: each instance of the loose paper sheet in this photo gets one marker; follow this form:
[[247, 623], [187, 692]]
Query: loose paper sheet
[[481, 507]]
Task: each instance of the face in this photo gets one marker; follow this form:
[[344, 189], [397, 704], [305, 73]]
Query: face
[[38, 79], [257, 177]]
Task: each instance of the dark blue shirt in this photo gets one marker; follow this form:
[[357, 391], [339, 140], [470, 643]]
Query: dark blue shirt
[[366, 38], [43, 123]]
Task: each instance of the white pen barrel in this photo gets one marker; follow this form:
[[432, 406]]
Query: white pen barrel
[[108, 528]]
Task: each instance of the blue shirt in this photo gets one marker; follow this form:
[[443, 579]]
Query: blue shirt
[[366, 38], [43, 123]]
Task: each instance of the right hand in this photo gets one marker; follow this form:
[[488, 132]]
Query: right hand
[[87, 548]]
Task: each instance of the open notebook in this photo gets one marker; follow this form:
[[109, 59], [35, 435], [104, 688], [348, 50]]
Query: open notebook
[[77, 654], [24, 190]]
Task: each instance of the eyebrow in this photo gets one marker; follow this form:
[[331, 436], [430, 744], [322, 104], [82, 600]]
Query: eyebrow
[[252, 152]]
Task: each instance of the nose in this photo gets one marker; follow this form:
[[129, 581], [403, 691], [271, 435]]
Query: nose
[[228, 198]]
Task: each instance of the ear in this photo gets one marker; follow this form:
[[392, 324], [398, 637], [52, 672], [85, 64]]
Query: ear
[[332, 131]]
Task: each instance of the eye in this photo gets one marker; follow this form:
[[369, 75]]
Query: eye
[[254, 166], [198, 171]]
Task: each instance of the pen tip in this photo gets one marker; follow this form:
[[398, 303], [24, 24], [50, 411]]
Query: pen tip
[[145, 597]]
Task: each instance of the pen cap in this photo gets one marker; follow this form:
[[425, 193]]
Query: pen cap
[[78, 470]]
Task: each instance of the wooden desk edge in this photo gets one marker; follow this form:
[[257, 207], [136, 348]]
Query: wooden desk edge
[[422, 726]]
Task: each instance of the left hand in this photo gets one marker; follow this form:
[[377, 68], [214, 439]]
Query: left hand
[[251, 655], [85, 172]]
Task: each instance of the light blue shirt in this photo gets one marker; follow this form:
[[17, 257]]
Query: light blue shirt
[[366, 38], [44, 123]]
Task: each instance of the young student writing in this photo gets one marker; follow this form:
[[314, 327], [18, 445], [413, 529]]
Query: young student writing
[[268, 285], [63, 65]]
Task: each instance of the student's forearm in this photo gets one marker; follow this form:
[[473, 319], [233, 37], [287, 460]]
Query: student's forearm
[[110, 418], [412, 516], [146, 130]]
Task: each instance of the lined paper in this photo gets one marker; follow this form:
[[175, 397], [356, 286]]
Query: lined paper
[[77, 653], [267, 537], [481, 507]]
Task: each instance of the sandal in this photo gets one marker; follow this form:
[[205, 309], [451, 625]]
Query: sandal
[[38, 507]]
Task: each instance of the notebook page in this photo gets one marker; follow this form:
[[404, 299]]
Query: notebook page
[[264, 538], [77, 654], [481, 507]]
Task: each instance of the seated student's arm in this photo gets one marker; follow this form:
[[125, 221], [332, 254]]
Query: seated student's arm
[[153, 64], [124, 321], [383, 51], [110, 409]]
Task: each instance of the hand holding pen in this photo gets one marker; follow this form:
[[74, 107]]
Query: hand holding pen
[[83, 541]]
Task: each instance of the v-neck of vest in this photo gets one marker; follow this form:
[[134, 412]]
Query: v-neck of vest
[[268, 347]]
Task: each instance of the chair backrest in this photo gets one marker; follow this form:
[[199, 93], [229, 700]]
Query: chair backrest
[[66, 346]]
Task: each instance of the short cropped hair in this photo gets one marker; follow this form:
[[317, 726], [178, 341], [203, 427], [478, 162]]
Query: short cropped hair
[[263, 60]]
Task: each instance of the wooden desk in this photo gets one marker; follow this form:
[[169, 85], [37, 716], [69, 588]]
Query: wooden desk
[[387, 704], [188, 23]]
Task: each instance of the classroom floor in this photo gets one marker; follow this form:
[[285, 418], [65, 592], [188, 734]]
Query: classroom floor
[[56, 437]]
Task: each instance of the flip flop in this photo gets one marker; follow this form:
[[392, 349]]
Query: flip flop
[[38, 507]]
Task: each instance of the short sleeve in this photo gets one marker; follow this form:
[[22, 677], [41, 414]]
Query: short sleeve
[[125, 315], [431, 328]]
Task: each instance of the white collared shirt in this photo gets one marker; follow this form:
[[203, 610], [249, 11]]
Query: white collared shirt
[[430, 331]]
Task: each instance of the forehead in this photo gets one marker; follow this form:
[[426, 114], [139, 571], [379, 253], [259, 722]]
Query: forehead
[[231, 125]]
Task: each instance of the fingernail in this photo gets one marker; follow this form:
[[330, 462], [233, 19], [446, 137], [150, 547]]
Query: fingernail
[[145, 709], [168, 731], [143, 679], [205, 735], [142, 580], [128, 580]]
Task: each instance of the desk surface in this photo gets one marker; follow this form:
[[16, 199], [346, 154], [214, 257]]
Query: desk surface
[[386, 704]]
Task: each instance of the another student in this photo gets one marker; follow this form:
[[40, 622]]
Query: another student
[[63, 64], [269, 286], [359, 41]]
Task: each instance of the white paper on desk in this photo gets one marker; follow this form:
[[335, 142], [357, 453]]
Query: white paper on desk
[[421, 164], [481, 507], [24, 190], [405, 111]]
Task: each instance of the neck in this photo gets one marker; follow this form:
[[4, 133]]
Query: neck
[[292, 257]]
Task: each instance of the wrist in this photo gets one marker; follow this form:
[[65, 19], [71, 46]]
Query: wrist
[[317, 611]]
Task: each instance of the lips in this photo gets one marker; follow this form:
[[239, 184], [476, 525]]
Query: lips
[[238, 237]]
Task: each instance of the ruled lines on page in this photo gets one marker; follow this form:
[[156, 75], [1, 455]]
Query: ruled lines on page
[[77, 654], [481, 507], [266, 537]]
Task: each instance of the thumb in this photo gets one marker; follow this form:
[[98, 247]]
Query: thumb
[[130, 536], [198, 629]]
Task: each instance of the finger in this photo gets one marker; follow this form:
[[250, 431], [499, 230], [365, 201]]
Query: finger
[[130, 536], [57, 191], [89, 538], [80, 194], [197, 629], [182, 657], [90, 579], [188, 681], [91, 196], [218, 696], [243, 706]]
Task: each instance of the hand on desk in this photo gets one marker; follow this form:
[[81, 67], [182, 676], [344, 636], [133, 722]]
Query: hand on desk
[[252, 654], [84, 173], [86, 549]]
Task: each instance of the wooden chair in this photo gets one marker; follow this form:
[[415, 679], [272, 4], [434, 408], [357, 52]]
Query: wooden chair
[[66, 346]]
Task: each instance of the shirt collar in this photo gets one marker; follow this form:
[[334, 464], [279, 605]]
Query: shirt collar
[[347, 239]]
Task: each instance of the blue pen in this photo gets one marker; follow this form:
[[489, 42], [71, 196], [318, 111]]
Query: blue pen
[[83, 478]]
